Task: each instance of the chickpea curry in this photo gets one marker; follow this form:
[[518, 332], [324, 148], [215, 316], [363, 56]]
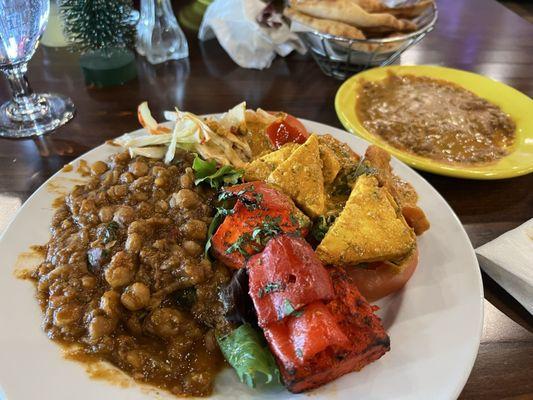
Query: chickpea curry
[[227, 240], [126, 277], [436, 119]]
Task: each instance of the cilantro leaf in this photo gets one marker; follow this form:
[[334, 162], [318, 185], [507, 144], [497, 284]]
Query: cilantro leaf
[[242, 241], [258, 239], [287, 309], [207, 172], [271, 287], [246, 351]]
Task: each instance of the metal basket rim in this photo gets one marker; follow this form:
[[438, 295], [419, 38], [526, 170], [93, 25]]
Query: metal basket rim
[[411, 35]]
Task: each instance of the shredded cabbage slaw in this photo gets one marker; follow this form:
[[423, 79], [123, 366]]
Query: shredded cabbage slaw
[[192, 133]]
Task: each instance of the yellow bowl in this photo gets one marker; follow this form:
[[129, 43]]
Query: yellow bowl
[[519, 106]]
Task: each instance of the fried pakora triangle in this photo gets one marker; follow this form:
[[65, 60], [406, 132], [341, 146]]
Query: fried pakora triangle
[[403, 11], [300, 176], [348, 12], [404, 194], [330, 162], [260, 169], [324, 25], [370, 228]]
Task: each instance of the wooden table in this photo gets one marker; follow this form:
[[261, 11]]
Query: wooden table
[[475, 35]]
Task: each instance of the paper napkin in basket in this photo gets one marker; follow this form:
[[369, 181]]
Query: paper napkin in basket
[[249, 31], [508, 260]]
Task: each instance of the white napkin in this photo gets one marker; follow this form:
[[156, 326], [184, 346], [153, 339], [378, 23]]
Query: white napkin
[[508, 260], [251, 44]]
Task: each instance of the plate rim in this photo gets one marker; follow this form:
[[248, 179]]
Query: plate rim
[[459, 384], [413, 160]]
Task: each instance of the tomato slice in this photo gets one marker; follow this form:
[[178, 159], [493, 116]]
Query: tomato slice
[[380, 279], [285, 277], [286, 129]]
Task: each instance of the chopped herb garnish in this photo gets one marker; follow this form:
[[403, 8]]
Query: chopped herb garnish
[[271, 287], [346, 179], [258, 197], [225, 195], [288, 309], [321, 226], [267, 230], [252, 203], [110, 232], [363, 168], [240, 243], [259, 237], [299, 353], [293, 218]]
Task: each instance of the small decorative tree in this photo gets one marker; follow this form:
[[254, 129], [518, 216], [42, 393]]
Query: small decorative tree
[[98, 24], [103, 31]]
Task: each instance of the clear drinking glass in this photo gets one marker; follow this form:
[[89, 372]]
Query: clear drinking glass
[[22, 23]]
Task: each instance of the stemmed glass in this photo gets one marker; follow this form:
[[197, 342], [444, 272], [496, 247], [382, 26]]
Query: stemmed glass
[[22, 23]]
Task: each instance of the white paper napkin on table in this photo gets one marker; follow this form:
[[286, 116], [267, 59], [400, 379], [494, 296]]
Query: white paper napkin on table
[[237, 24], [508, 260]]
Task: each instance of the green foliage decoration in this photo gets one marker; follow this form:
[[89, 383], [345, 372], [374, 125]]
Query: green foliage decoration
[[91, 25]]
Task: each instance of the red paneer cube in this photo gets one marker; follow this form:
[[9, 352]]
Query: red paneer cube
[[297, 339], [314, 350], [285, 277], [259, 208]]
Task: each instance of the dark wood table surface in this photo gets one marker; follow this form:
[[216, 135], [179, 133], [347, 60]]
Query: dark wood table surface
[[476, 35]]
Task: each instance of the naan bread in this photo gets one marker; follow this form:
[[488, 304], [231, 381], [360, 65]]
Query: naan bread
[[349, 12], [369, 228], [405, 11], [300, 177], [324, 25]]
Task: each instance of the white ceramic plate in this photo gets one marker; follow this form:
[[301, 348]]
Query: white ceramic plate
[[434, 323]]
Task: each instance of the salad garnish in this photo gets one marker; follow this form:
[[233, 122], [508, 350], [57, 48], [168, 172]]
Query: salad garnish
[[248, 354]]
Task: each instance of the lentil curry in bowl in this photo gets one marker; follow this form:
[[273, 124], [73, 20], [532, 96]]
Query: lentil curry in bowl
[[441, 120], [436, 119], [193, 249]]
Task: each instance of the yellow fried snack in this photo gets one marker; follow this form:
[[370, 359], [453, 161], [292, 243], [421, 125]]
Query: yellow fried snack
[[370, 228], [260, 169], [346, 11], [300, 177], [324, 25], [330, 163], [407, 10]]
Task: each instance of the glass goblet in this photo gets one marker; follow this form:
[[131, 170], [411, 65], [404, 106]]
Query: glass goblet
[[27, 114]]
